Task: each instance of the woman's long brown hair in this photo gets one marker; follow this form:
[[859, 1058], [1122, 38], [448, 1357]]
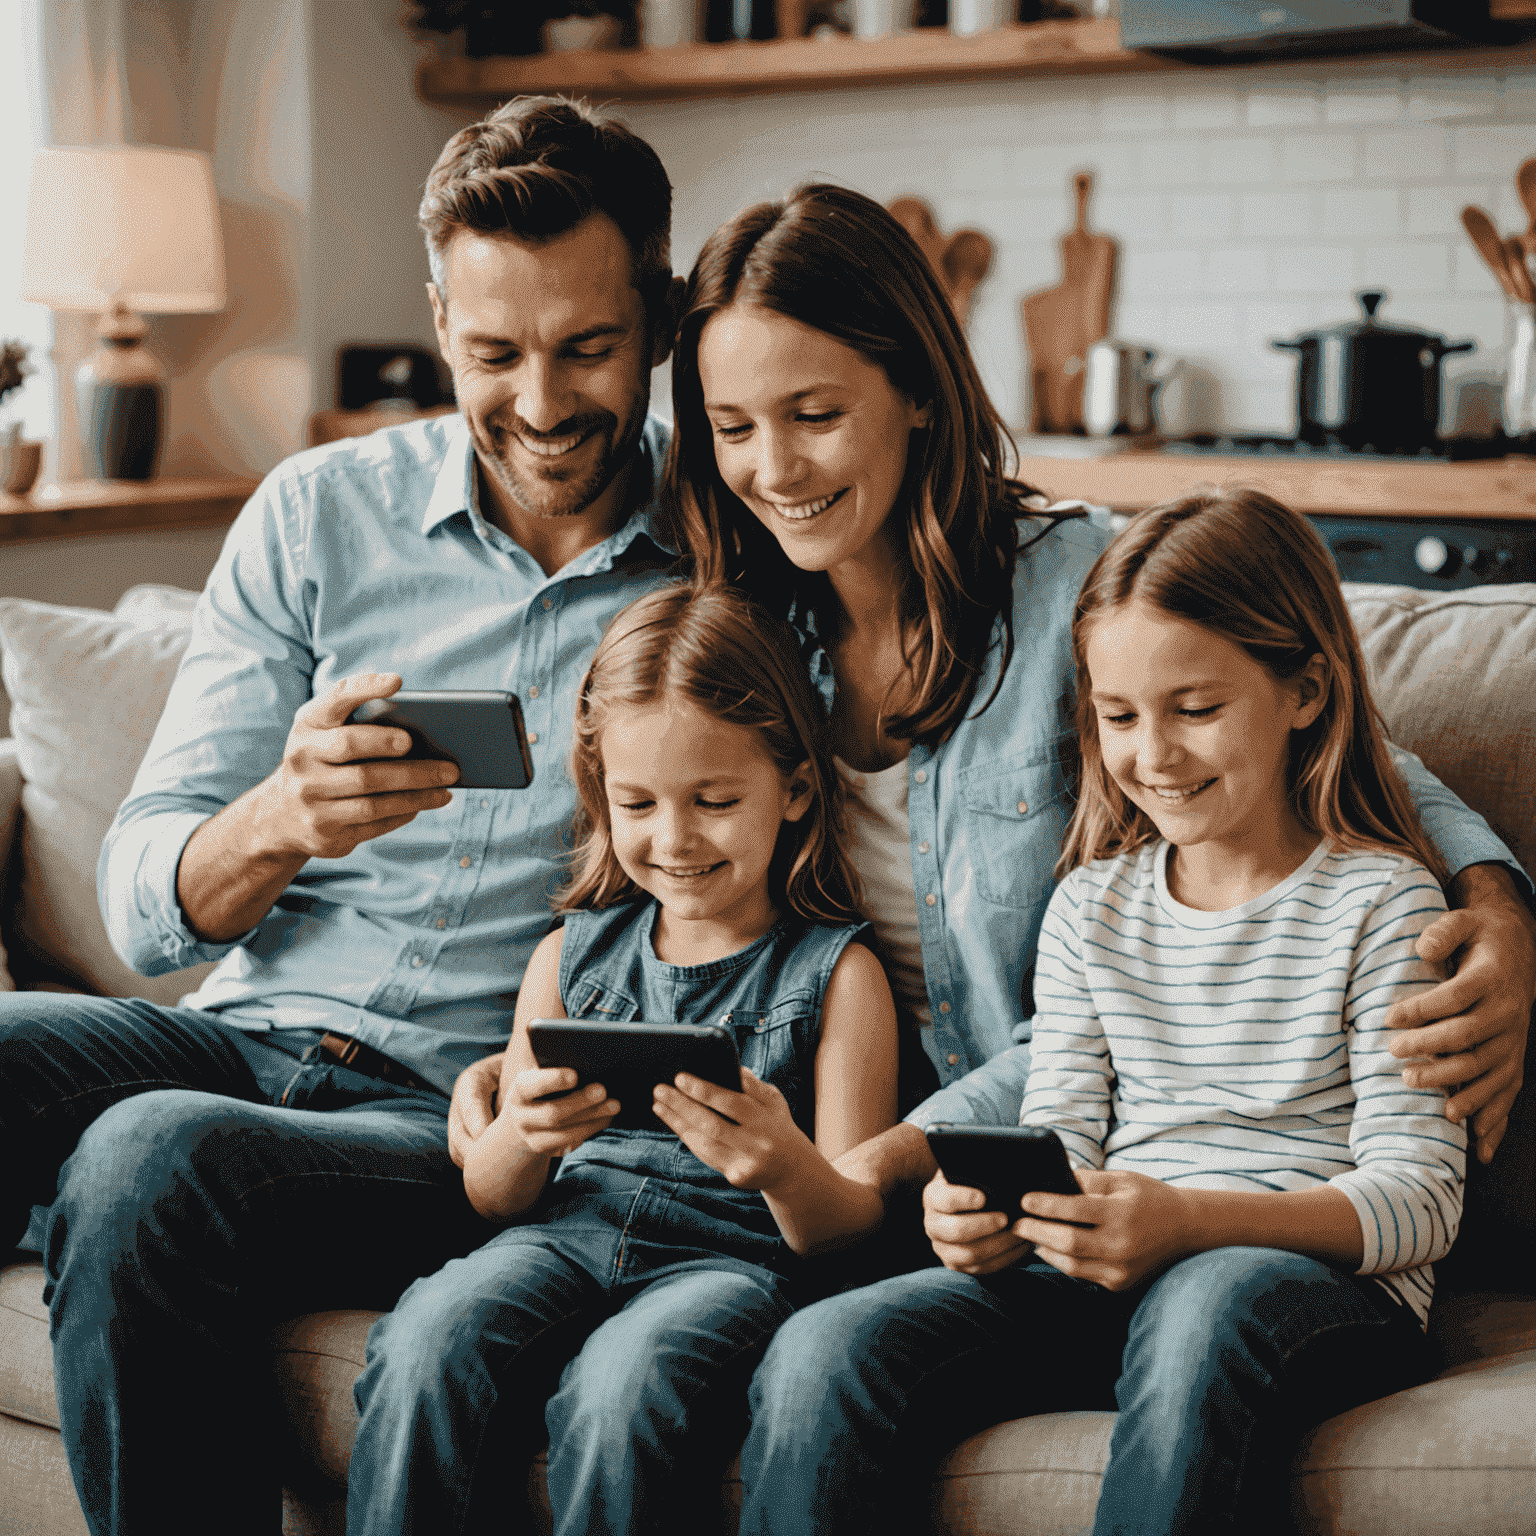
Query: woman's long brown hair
[[1245, 567], [835, 260], [716, 649]]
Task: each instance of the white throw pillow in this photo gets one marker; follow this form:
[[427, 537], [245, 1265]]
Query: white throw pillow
[[87, 689]]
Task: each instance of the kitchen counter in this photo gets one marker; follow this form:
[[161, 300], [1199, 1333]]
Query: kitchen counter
[[1133, 479]]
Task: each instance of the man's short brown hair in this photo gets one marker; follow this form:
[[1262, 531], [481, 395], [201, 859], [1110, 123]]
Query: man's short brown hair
[[536, 168]]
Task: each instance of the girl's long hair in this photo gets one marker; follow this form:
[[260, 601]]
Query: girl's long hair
[[716, 649], [1243, 566], [835, 260]]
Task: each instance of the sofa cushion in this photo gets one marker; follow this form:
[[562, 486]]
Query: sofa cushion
[[1455, 676], [86, 690]]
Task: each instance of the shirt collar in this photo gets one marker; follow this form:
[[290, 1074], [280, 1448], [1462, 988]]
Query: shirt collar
[[455, 491]]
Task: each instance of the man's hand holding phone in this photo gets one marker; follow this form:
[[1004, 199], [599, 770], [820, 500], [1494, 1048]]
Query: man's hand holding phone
[[338, 785], [341, 784]]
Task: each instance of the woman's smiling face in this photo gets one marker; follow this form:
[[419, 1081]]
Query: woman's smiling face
[[810, 434]]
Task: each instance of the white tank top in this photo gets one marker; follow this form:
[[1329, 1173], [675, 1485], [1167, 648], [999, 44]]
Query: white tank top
[[882, 853]]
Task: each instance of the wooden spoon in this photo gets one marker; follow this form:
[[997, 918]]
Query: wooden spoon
[[1525, 185], [1519, 273], [967, 259], [1490, 247]]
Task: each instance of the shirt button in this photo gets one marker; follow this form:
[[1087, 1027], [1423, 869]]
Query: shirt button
[[415, 961], [922, 847], [484, 804], [930, 898], [549, 603], [533, 736], [1023, 807], [953, 1060], [921, 775], [533, 692], [442, 922], [464, 862], [943, 1007]]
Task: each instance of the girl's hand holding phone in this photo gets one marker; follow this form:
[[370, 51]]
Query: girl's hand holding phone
[[750, 1136], [1132, 1226], [553, 1126], [965, 1237]]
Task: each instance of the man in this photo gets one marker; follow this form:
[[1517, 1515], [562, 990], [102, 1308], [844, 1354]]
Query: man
[[279, 1144]]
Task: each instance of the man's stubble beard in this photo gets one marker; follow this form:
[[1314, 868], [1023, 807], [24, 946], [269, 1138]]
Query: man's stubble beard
[[554, 498]]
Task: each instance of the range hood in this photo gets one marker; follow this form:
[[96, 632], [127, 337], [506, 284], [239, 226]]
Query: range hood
[[1236, 31]]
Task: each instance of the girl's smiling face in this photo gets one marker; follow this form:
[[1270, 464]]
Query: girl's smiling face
[[695, 806], [1196, 733], [811, 435]]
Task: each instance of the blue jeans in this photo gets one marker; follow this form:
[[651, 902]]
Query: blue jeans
[[619, 1325], [1217, 1367], [188, 1214]]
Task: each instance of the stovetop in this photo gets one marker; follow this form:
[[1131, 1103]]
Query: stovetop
[[1445, 450]]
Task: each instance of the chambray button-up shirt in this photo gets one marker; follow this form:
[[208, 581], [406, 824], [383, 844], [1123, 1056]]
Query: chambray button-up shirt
[[371, 556]]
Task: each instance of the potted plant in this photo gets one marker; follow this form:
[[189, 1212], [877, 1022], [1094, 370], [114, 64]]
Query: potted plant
[[19, 460]]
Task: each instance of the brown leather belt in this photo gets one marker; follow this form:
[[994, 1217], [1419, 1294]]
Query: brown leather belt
[[352, 1053]]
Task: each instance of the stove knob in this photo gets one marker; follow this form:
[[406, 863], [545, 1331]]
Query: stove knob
[[1435, 557]]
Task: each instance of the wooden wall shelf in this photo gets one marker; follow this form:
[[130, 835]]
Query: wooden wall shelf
[[927, 56], [121, 506]]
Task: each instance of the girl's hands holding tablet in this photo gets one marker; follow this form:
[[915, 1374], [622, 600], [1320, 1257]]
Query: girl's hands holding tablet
[[553, 1126], [750, 1137]]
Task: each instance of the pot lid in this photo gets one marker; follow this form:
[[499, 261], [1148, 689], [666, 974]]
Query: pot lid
[[1369, 301]]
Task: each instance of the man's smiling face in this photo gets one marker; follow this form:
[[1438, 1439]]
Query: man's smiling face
[[551, 356]]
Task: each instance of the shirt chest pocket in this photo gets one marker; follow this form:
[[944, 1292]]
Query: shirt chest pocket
[[1015, 816], [592, 1001], [773, 1041]]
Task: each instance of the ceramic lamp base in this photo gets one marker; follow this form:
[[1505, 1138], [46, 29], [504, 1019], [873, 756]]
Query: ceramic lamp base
[[119, 429]]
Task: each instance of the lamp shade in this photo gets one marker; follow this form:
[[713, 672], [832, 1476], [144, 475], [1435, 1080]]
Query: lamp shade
[[123, 225]]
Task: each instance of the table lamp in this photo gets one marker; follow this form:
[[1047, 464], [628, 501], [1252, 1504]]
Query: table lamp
[[122, 231]]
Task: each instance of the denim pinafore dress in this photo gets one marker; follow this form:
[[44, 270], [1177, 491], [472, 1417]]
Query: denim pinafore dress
[[646, 1182]]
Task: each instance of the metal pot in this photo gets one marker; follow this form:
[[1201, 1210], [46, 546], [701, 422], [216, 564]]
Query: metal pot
[[1120, 386], [1365, 384]]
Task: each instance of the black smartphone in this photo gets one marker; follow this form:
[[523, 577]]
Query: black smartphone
[[479, 731], [1004, 1162], [630, 1059]]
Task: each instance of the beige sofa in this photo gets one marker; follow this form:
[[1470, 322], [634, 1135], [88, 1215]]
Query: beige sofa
[[1457, 678]]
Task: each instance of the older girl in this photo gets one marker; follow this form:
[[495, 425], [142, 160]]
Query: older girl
[[1263, 1197]]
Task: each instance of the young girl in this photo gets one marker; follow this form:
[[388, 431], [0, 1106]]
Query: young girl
[[1244, 883], [644, 1271]]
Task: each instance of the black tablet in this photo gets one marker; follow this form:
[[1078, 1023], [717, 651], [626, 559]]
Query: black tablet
[[630, 1059]]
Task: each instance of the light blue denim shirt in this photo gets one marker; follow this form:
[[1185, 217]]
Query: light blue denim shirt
[[371, 555], [988, 809]]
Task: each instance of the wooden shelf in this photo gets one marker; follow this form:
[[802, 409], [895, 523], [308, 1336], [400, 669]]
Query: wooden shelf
[[118, 506], [1397, 488], [925, 56], [928, 55]]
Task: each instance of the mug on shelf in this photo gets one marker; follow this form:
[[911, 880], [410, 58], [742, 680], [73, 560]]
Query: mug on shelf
[[670, 23], [968, 17], [880, 18]]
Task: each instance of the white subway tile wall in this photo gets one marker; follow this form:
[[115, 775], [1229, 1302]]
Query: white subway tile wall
[[1250, 203]]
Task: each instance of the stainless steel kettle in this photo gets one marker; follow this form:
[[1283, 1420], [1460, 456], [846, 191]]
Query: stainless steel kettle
[[1120, 387]]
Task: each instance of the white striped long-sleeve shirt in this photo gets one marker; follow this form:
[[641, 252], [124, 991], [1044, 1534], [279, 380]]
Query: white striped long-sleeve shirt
[[1247, 1049]]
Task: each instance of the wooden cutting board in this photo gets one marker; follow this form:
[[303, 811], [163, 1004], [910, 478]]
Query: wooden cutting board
[[1061, 323]]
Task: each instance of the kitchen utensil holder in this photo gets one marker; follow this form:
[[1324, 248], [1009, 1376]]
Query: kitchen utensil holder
[[1520, 376]]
